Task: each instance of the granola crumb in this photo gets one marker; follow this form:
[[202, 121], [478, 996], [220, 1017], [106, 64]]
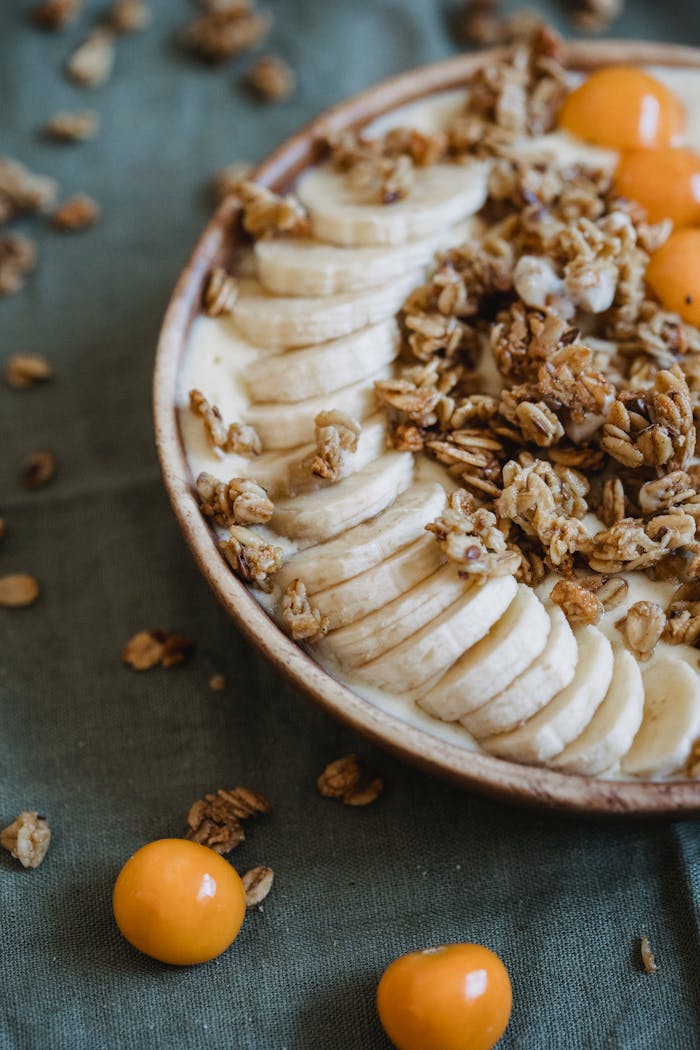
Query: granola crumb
[[73, 127], [226, 180], [91, 64], [22, 191], [75, 214], [130, 16], [579, 605], [648, 960], [217, 683], [257, 883], [251, 557], [216, 820], [18, 256], [56, 14], [236, 437], [27, 370], [240, 501], [302, 620], [27, 838], [220, 292], [220, 34], [38, 469], [272, 78], [642, 628], [156, 647], [18, 590], [349, 781]]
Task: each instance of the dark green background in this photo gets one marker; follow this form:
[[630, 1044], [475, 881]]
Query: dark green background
[[115, 758]]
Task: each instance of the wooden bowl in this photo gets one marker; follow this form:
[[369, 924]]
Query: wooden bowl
[[527, 785]]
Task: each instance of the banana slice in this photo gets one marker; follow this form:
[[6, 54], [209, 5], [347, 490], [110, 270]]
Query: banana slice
[[613, 727], [488, 667], [566, 716], [440, 196], [316, 516], [362, 641], [671, 720], [306, 267], [346, 602], [276, 471], [286, 426], [367, 544], [427, 653], [324, 368], [544, 678], [274, 320]]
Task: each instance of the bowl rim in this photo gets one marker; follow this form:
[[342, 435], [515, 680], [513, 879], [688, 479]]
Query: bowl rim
[[531, 786]]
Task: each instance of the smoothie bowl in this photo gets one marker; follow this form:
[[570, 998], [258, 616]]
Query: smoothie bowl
[[425, 404]]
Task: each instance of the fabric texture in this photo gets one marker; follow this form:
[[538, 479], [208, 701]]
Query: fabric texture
[[114, 758]]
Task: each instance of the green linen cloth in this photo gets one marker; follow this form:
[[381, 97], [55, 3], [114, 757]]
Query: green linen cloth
[[115, 758]]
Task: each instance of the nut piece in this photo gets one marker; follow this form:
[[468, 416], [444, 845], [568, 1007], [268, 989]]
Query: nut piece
[[18, 256], [72, 127], [302, 620], [76, 213], [130, 16], [27, 838], [578, 604], [17, 590], [91, 64], [348, 780], [216, 820], [642, 628], [38, 469], [149, 649], [220, 292], [26, 370], [257, 883], [648, 960], [272, 78], [56, 14]]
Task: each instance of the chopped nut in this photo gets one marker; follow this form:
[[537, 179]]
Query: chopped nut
[[642, 628], [251, 557], [272, 78], [91, 64], [27, 370], [348, 780], [27, 838], [266, 214], [76, 213], [217, 683], [56, 14], [237, 502], [302, 620], [157, 647], [18, 257], [579, 605], [237, 437], [130, 16], [216, 820], [38, 469], [220, 292], [21, 191], [72, 127], [648, 960], [225, 182], [17, 590], [257, 883], [220, 34]]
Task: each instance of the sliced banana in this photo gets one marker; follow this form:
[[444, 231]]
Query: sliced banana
[[544, 678], [565, 717], [440, 196], [362, 641], [489, 666], [613, 727], [427, 653], [346, 602], [367, 544], [322, 369], [306, 267], [289, 321], [671, 721], [286, 426], [317, 516]]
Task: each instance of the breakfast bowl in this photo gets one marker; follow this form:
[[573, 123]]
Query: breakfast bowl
[[511, 617]]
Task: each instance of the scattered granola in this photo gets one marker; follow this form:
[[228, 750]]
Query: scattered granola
[[130, 16], [217, 683], [18, 590], [38, 469], [27, 370], [76, 213], [266, 214], [648, 960], [225, 182], [642, 628], [348, 780], [239, 501], [18, 256], [27, 838], [596, 15], [220, 292], [579, 604], [236, 437], [156, 648], [228, 30], [91, 64], [272, 78], [21, 191], [257, 883], [56, 14], [302, 620], [73, 127], [252, 557], [336, 434], [216, 820]]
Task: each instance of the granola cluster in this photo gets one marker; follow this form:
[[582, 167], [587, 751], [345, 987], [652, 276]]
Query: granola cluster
[[236, 437], [302, 620], [266, 214], [336, 435]]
